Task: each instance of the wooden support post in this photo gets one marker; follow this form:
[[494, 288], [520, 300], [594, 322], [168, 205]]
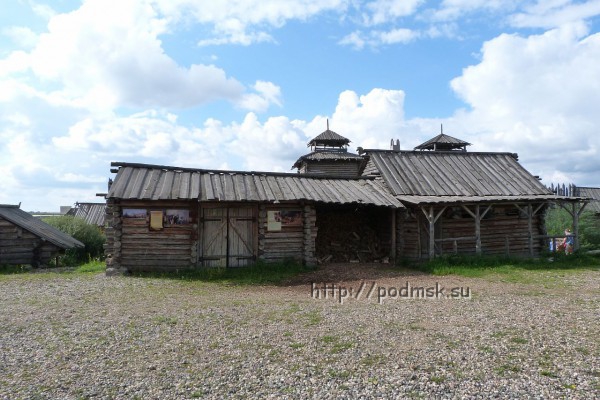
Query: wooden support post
[[477, 215], [432, 217], [393, 251], [575, 214], [530, 228]]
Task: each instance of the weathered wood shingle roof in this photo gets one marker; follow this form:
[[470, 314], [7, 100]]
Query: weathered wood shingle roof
[[328, 156], [443, 141], [329, 137], [92, 213], [593, 194], [24, 220], [417, 176], [148, 182]]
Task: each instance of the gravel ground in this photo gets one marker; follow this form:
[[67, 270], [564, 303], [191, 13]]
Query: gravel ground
[[73, 336]]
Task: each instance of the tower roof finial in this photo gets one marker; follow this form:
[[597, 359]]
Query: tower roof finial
[[327, 123]]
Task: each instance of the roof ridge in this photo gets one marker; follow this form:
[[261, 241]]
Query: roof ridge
[[232, 172]]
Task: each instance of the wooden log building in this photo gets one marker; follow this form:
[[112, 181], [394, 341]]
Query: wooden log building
[[25, 239], [376, 206]]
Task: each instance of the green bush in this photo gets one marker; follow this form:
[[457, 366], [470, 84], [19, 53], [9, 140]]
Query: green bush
[[89, 235], [557, 219]]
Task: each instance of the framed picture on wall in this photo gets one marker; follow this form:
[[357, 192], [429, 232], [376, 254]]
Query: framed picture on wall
[[291, 218], [134, 213], [274, 221], [177, 217], [156, 220]]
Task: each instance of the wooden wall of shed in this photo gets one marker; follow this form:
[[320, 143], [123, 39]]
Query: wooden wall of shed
[[504, 231], [292, 242], [132, 245], [19, 246]]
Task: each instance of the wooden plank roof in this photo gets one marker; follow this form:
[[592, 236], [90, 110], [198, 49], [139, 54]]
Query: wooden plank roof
[[92, 213], [329, 137], [454, 175], [593, 194], [322, 155], [38, 227], [444, 140], [151, 182]]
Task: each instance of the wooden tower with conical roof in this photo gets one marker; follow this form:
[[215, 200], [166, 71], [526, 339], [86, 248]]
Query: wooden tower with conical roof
[[329, 156], [443, 142]]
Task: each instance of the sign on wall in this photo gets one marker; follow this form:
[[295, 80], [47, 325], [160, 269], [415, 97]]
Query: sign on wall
[[279, 219]]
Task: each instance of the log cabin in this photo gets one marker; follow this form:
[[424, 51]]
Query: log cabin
[[25, 239], [375, 206]]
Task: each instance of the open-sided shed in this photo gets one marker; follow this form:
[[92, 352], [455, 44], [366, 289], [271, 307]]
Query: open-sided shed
[[25, 239], [464, 202]]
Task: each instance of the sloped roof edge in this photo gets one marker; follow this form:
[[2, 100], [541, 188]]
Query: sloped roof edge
[[38, 227]]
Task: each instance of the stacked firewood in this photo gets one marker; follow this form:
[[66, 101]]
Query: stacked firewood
[[349, 239]]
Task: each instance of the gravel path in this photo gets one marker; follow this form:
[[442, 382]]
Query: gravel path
[[74, 336]]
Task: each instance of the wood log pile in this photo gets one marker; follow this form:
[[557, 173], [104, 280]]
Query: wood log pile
[[349, 238]]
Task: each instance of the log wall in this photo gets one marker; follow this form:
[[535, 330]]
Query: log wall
[[19, 246], [133, 246], [292, 242], [504, 231]]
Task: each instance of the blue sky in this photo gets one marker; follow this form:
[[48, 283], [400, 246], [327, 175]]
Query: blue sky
[[245, 84]]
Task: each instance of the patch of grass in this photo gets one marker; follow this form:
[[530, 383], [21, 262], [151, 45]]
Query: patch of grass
[[329, 339], [374, 359], [549, 374], [341, 346], [343, 374], [6, 269], [499, 334], [297, 345], [313, 318], [486, 349], [518, 340], [165, 320], [260, 273], [510, 268], [336, 345], [437, 379], [507, 368], [91, 267]]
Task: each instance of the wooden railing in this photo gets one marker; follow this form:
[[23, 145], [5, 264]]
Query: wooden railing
[[551, 241]]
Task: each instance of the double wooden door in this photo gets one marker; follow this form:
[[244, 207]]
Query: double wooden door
[[228, 236]]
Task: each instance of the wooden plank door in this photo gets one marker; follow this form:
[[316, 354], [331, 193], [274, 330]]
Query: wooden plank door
[[214, 237], [228, 236], [241, 236]]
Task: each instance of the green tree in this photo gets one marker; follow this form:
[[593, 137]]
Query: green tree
[[89, 235], [558, 219]]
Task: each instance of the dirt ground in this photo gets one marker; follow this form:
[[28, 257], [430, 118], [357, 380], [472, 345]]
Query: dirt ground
[[343, 331]]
